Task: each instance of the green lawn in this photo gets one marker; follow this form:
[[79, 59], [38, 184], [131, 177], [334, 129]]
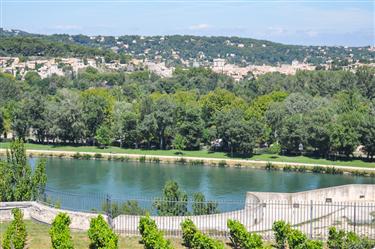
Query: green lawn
[[201, 153], [38, 238]]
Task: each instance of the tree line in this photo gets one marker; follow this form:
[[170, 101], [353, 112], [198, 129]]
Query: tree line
[[323, 113]]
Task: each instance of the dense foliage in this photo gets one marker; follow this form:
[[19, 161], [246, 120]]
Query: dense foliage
[[60, 232], [152, 238], [242, 238], [130, 207], [18, 182], [195, 239], [101, 235], [15, 235], [326, 113], [175, 202], [235, 49], [339, 239]]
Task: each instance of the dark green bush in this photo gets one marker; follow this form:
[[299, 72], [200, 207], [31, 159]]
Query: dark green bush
[[86, 156], [15, 235], [222, 163], [142, 159], [318, 169], [60, 232], [98, 156], [242, 238], [281, 231], [101, 235], [311, 244], [76, 156], [270, 166]]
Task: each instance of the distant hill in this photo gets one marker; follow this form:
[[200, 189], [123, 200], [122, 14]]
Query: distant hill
[[186, 49]]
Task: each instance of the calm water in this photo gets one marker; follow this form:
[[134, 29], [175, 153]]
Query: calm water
[[147, 179]]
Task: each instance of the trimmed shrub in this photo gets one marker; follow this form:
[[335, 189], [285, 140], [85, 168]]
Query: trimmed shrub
[[152, 238], [242, 238], [60, 232], [281, 231], [101, 235], [188, 232], [76, 156], [86, 156], [15, 235], [195, 239], [296, 238]]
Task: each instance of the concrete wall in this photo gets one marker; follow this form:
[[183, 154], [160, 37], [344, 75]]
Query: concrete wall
[[344, 193], [45, 214]]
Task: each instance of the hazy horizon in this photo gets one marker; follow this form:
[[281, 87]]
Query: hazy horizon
[[331, 23]]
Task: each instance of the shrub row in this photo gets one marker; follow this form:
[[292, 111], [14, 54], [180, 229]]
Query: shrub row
[[195, 239]]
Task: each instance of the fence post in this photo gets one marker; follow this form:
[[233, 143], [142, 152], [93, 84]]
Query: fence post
[[109, 209], [311, 218], [355, 216]]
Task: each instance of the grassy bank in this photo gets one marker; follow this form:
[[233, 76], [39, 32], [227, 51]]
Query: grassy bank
[[198, 154], [38, 238]]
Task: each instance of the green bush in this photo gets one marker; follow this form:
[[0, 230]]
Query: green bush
[[339, 239], [242, 238], [86, 156], [222, 163], [270, 166], [142, 159], [76, 156], [188, 232], [281, 231], [60, 233], [317, 169], [195, 239], [98, 156], [311, 244], [152, 238], [274, 148], [296, 238], [15, 235], [101, 235]]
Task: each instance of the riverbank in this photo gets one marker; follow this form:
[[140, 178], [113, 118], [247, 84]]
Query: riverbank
[[364, 170], [200, 155]]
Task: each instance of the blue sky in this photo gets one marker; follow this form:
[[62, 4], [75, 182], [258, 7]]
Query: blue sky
[[311, 22]]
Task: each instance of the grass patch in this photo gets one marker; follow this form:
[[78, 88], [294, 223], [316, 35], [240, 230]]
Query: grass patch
[[38, 238], [199, 154]]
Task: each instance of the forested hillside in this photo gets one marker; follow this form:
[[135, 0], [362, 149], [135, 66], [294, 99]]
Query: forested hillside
[[329, 113], [179, 48]]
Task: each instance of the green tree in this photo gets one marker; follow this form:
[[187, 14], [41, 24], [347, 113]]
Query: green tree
[[179, 143], [104, 135], [18, 182], [15, 235], [165, 117], [173, 201], [367, 135], [201, 206], [293, 133], [239, 135]]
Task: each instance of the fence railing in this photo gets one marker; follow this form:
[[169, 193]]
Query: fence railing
[[311, 217]]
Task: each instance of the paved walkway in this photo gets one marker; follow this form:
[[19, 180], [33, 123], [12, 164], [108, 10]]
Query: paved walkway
[[230, 162]]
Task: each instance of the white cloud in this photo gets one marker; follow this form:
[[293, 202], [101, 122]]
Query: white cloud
[[200, 26]]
